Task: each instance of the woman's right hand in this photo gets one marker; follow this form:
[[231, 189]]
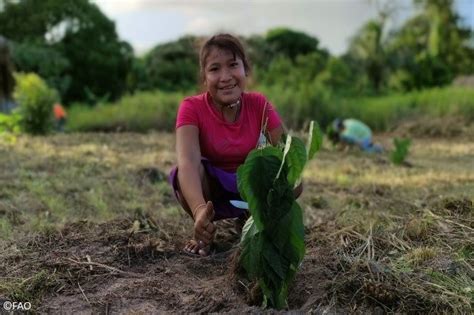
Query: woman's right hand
[[204, 229]]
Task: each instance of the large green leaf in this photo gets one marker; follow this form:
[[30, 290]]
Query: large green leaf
[[279, 201], [255, 179], [272, 286], [286, 149], [243, 169], [249, 230], [315, 139], [288, 236], [296, 159], [250, 257]]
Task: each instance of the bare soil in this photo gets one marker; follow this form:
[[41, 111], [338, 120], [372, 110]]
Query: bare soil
[[106, 268]]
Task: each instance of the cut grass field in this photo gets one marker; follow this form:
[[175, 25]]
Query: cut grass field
[[89, 223]]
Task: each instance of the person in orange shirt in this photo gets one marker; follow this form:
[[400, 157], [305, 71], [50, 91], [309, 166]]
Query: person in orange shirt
[[60, 117]]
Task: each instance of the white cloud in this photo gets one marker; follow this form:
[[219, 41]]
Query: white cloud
[[200, 24], [333, 22], [117, 7]]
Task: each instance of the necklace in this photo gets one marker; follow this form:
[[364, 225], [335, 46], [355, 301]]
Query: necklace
[[231, 106]]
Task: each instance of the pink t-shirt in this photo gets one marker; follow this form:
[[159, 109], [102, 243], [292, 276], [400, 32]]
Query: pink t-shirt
[[225, 144]]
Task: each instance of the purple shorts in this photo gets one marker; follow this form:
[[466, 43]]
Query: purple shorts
[[226, 186]]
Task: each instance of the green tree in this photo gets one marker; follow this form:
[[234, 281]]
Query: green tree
[[303, 70], [367, 49], [102, 69], [48, 62], [259, 51], [174, 65], [137, 78], [432, 47], [280, 71], [337, 76], [288, 58], [292, 43], [79, 32]]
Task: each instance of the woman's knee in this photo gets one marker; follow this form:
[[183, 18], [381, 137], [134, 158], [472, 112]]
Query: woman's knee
[[206, 184]]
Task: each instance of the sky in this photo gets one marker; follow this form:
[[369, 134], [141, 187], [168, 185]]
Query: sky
[[146, 23]]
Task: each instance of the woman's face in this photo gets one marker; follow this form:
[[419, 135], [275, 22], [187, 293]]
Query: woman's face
[[224, 76]]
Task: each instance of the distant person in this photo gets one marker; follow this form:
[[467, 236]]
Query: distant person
[[353, 132], [7, 81], [60, 117], [215, 131]]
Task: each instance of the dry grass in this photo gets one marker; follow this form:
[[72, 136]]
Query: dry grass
[[399, 238], [402, 237], [52, 180]]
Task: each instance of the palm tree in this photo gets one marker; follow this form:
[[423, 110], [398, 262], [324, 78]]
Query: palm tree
[[367, 47]]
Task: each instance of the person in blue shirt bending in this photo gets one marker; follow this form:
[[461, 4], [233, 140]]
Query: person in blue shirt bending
[[353, 132]]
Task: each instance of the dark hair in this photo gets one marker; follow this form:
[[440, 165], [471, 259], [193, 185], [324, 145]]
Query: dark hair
[[7, 81], [225, 42], [332, 135]]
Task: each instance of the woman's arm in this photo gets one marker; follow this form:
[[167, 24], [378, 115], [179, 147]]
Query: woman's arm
[[275, 134], [188, 154]]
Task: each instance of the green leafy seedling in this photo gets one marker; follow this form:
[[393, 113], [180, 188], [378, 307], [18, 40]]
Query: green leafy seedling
[[400, 153], [273, 237]]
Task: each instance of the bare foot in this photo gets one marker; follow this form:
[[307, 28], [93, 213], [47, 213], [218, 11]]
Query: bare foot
[[192, 247]]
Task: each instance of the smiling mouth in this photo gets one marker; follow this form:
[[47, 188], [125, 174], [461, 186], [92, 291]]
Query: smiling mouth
[[228, 87]]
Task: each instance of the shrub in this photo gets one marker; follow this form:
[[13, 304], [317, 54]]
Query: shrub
[[401, 150], [10, 123], [9, 127], [36, 100], [297, 104], [139, 112]]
